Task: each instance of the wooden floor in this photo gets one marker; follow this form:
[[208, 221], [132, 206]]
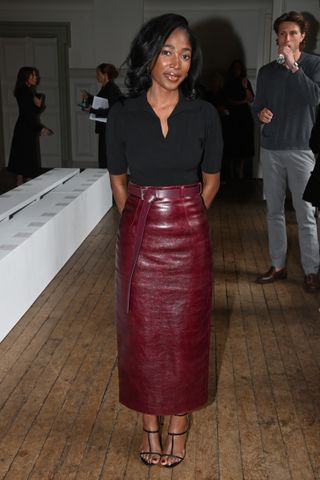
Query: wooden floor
[[59, 413]]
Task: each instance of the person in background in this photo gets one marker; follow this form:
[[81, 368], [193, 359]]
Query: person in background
[[239, 125], [106, 73], [216, 96], [171, 143], [287, 96], [25, 157]]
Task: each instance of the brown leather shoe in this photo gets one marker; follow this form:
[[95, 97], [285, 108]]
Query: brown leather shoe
[[311, 283], [272, 275]]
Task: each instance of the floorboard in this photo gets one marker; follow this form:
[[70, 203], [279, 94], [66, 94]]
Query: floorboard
[[59, 413]]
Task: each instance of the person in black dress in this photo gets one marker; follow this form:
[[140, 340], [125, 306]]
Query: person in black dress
[[25, 158], [106, 73], [216, 96], [239, 125], [171, 143]]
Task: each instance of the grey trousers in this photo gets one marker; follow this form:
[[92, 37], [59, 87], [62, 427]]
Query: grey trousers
[[294, 167]]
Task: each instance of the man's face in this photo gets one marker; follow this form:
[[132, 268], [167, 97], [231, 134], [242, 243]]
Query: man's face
[[289, 35]]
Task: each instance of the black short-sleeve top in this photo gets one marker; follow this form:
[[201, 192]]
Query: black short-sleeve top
[[135, 142]]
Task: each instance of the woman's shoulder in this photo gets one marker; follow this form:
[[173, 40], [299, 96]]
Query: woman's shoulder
[[112, 87], [201, 102], [24, 90], [121, 108], [126, 104], [206, 107], [24, 96]]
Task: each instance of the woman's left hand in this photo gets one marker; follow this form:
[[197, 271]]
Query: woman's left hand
[[119, 185], [210, 187], [46, 131]]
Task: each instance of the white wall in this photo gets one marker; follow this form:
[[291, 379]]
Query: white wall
[[79, 14], [102, 30], [226, 30]]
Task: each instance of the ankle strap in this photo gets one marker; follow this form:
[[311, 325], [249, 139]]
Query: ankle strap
[[150, 431], [175, 434]]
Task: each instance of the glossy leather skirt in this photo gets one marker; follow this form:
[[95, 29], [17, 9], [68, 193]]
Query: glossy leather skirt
[[163, 300]]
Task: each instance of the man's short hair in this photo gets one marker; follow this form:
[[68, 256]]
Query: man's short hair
[[294, 17]]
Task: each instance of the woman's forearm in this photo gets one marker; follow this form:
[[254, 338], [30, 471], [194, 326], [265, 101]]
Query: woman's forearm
[[119, 186], [210, 187]]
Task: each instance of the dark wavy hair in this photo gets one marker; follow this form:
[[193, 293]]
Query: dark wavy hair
[[23, 76], [294, 17], [146, 47], [109, 69]]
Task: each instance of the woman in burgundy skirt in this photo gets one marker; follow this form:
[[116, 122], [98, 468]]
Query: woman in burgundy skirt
[[171, 144]]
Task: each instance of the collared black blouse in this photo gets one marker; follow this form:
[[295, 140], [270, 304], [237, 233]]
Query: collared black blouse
[[135, 141]]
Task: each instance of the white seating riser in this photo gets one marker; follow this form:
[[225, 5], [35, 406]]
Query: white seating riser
[[39, 240]]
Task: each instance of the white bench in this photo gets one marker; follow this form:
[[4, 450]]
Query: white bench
[[19, 197], [38, 240]]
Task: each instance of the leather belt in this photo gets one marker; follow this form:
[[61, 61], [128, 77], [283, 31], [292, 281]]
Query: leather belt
[[175, 192], [148, 195]]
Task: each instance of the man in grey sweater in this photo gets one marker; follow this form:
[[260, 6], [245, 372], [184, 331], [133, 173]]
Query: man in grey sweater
[[287, 96]]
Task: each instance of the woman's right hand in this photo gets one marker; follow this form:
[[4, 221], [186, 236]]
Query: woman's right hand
[[46, 131], [84, 94], [37, 101]]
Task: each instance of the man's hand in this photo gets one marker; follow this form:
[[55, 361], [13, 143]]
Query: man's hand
[[289, 60], [265, 115]]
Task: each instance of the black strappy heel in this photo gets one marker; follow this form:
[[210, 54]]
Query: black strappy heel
[[178, 458], [150, 452]]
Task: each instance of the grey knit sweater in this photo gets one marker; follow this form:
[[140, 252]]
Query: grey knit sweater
[[293, 99]]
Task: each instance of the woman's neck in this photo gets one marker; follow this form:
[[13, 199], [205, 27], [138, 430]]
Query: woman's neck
[[159, 98]]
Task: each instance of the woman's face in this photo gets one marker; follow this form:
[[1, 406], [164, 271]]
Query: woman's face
[[32, 79], [101, 77], [173, 63]]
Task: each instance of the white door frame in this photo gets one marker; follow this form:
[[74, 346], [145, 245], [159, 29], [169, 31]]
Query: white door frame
[[60, 31]]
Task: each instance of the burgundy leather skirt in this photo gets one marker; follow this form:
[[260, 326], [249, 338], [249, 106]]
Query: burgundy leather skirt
[[163, 300]]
